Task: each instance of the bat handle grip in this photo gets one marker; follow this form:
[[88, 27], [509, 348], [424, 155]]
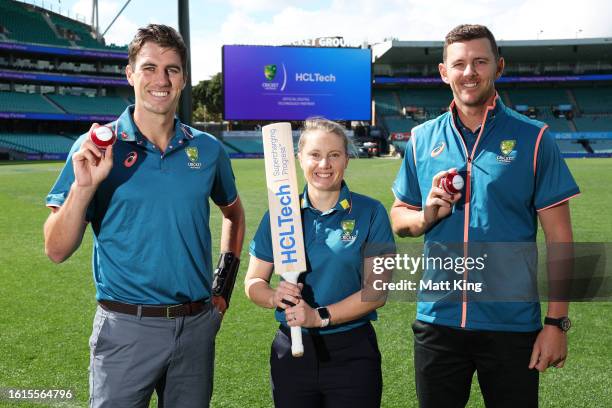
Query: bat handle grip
[[297, 347]]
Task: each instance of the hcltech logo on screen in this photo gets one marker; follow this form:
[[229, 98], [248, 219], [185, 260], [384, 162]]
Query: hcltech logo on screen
[[270, 72], [314, 77]]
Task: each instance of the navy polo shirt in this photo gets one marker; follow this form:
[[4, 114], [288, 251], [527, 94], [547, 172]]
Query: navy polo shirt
[[333, 241], [150, 216], [513, 170]]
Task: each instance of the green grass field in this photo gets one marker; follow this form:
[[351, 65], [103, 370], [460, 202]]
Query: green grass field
[[46, 310]]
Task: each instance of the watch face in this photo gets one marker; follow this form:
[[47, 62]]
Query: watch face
[[565, 324], [323, 313]]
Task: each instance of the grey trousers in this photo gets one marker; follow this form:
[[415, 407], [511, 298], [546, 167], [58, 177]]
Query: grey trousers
[[130, 357]]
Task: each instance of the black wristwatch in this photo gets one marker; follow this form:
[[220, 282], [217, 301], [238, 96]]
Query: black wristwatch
[[324, 315], [563, 323]]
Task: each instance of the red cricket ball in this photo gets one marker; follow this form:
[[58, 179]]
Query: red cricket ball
[[452, 183], [102, 136]]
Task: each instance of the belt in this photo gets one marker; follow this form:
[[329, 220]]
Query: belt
[[167, 311]]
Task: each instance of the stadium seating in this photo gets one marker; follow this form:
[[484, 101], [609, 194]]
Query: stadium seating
[[22, 102], [80, 29], [594, 123], [84, 105], [431, 99], [36, 143], [570, 146], [386, 102], [400, 124], [594, 100], [244, 144], [538, 97], [27, 25], [555, 124], [601, 146]]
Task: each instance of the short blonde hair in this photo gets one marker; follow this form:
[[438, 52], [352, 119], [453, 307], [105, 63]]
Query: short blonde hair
[[324, 125]]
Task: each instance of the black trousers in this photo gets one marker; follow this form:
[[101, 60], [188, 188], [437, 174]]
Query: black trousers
[[445, 359], [337, 370]]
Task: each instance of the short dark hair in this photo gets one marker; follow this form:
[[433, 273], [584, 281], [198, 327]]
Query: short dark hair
[[162, 35], [467, 32]]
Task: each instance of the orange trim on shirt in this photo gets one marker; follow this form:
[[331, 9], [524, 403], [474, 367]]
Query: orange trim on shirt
[[537, 147]]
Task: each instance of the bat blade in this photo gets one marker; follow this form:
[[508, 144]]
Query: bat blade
[[284, 208]]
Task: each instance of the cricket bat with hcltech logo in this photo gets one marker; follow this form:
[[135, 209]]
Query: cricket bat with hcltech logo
[[284, 206]]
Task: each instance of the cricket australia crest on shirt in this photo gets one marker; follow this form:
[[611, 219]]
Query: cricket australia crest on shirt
[[508, 154], [347, 230], [193, 155]]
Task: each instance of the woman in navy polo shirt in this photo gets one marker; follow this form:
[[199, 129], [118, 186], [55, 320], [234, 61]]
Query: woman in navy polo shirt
[[341, 362]]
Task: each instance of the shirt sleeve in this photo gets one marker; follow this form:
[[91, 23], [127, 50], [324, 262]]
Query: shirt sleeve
[[406, 186], [224, 186], [59, 192], [380, 238], [261, 245], [554, 183]]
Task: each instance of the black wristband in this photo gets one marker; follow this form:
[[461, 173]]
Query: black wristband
[[225, 276]]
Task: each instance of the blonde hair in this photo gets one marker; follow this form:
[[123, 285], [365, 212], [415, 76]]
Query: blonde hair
[[324, 125]]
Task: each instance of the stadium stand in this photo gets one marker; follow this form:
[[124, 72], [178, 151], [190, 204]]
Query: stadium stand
[[57, 89], [400, 124], [570, 146], [245, 144], [538, 97], [593, 123], [386, 102], [433, 100], [555, 124], [80, 33], [36, 143], [601, 146], [85, 105], [23, 23], [593, 99], [564, 83], [22, 102], [548, 87]]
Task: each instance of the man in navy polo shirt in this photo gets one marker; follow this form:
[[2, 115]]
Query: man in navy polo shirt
[[147, 199], [514, 174]]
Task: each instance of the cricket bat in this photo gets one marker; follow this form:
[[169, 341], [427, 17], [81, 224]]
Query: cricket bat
[[285, 216]]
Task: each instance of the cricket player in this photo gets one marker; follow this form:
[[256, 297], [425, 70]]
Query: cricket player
[[147, 200], [514, 175], [341, 365]]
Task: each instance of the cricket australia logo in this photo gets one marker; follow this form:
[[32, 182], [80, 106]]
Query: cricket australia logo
[[508, 154], [193, 155], [347, 230], [270, 72]]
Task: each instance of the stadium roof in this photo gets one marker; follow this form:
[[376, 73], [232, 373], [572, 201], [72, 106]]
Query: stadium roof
[[430, 52]]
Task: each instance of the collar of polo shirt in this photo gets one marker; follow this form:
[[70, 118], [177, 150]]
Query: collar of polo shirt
[[344, 200], [126, 129]]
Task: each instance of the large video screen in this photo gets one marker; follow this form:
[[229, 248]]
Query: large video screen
[[293, 83]]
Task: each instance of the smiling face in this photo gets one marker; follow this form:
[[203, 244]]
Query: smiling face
[[323, 159], [158, 79], [471, 69]]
